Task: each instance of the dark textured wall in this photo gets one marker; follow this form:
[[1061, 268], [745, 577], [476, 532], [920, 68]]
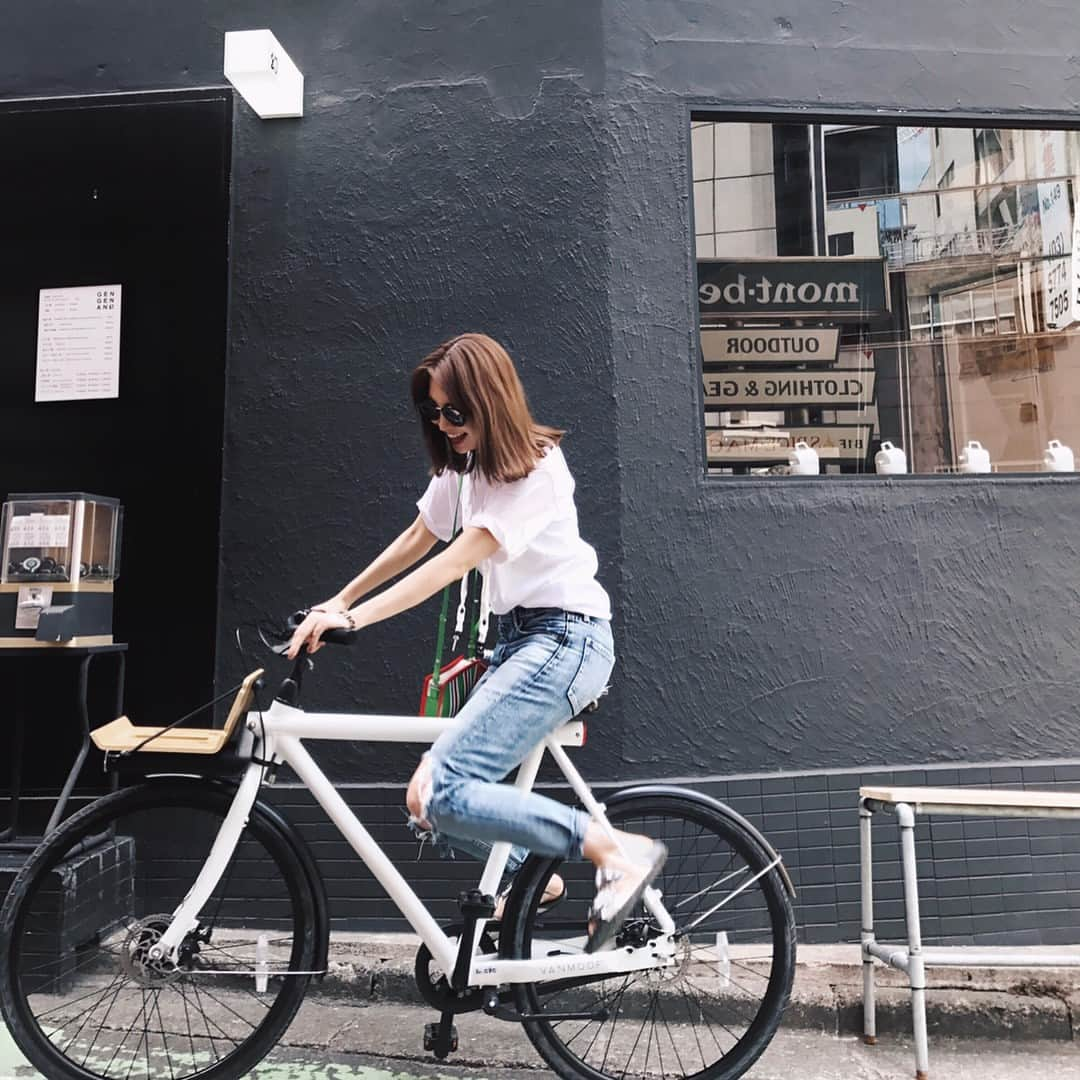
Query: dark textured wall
[[445, 179], [524, 169], [448, 176], [825, 623]]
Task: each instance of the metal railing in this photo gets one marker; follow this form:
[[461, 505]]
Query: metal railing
[[929, 247]]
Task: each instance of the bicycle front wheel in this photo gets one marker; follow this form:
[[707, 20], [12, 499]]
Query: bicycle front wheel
[[79, 991], [711, 1013]]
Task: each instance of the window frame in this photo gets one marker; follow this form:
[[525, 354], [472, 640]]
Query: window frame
[[717, 110]]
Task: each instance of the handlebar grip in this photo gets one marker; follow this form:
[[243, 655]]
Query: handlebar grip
[[332, 637]]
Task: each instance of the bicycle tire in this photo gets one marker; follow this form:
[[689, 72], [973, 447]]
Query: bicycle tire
[[711, 854], [53, 968]]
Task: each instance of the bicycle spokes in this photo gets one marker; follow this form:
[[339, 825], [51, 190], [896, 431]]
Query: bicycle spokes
[[88, 991], [707, 1012]]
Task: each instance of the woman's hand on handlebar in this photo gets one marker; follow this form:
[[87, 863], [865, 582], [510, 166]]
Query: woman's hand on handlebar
[[316, 623]]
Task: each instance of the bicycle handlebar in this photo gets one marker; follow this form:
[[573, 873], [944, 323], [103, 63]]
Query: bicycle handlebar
[[289, 691], [333, 637]]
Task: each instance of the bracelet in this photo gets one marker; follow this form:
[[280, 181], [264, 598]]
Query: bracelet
[[350, 620]]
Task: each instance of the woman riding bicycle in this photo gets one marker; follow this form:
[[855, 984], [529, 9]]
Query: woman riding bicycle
[[503, 478]]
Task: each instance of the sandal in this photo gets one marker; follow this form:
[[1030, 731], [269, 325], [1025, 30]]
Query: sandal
[[544, 907], [618, 893]]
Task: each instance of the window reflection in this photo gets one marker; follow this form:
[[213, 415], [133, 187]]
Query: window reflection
[[974, 228]]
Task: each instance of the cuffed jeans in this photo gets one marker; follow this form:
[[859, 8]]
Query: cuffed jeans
[[547, 666]]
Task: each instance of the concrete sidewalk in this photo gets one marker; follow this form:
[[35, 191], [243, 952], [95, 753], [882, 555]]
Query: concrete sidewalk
[[362, 1023], [982, 1003]]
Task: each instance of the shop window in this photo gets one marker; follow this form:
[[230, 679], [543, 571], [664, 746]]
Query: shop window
[[842, 243], [910, 285]]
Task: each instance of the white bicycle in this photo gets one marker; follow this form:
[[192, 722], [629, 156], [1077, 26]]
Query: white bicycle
[[172, 928]]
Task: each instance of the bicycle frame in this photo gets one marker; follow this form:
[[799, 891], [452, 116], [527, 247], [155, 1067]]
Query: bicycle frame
[[277, 735]]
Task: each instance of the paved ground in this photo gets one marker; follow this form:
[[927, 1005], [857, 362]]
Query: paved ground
[[1028, 1003], [362, 1023], [327, 1046]]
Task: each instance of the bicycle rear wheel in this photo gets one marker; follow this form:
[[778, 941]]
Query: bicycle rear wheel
[[711, 1013], [78, 989]]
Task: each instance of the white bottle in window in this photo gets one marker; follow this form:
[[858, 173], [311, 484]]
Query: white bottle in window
[[974, 458], [890, 459], [1059, 457], [803, 460]]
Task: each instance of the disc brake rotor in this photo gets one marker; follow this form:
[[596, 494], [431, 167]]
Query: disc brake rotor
[[135, 953]]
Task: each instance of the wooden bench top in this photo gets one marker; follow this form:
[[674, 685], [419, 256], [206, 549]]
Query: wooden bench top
[[960, 798]]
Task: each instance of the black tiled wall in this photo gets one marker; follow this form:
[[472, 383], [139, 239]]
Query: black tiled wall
[[982, 881]]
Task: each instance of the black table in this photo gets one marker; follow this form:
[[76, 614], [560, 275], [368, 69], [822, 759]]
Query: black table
[[10, 838]]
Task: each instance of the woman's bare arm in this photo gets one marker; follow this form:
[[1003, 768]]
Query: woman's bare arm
[[470, 549], [409, 548]]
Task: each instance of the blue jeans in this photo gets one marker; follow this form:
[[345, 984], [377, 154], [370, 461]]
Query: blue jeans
[[547, 666]]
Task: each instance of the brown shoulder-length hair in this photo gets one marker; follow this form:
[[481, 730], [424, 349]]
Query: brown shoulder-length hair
[[479, 378]]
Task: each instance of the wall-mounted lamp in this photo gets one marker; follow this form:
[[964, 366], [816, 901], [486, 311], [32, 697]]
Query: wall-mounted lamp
[[263, 74]]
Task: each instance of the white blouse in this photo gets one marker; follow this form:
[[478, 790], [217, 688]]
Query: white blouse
[[542, 560]]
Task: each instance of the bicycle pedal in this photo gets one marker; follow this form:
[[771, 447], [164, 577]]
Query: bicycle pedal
[[432, 1040], [475, 904]]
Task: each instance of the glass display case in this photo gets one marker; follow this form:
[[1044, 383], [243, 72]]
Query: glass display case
[[59, 558], [60, 538]]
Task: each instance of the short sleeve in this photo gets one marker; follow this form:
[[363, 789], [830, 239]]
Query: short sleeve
[[437, 504], [517, 513]]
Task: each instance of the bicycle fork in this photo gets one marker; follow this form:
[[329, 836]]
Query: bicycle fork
[[186, 917]]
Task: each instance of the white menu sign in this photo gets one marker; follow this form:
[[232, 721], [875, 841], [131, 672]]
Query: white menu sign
[[78, 349], [39, 531]]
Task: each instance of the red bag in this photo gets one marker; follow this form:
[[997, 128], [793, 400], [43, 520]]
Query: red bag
[[455, 683]]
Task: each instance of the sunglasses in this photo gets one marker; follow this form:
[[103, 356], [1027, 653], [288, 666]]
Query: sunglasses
[[430, 411]]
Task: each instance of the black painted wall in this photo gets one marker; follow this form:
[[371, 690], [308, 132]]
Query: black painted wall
[[524, 169], [135, 191]]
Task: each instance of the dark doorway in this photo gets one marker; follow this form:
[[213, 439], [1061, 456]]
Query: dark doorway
[[131, 190]]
